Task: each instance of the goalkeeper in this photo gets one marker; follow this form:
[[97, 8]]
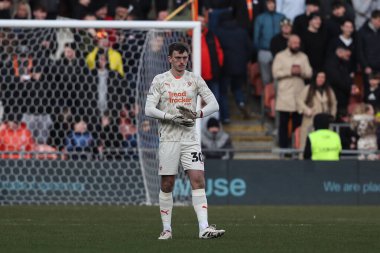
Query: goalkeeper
[[172, 99]]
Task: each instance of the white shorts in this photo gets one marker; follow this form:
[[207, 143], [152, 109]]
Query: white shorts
[[171, 153]]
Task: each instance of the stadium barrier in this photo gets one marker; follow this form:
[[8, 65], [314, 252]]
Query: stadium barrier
[[232, 182]]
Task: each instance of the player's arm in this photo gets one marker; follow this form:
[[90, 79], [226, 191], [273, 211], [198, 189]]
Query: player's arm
[[152, 100]]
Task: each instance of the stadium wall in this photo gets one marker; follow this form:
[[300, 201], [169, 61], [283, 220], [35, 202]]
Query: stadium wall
[[228, 183]]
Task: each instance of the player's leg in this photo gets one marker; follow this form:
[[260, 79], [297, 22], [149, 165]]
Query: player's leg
[[169, 160], [166, 205], [192, 162]]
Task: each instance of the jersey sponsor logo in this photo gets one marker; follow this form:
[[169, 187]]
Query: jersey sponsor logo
[[179, 97]]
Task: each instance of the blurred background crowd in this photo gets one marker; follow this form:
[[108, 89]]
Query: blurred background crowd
[[298, 58]]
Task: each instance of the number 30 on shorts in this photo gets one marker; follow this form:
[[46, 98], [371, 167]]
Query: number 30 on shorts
[[197, 157]]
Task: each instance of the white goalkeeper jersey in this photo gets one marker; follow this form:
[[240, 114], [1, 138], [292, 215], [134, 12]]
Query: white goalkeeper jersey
[[166, 92]]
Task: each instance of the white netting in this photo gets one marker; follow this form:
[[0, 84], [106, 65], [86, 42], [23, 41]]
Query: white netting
[[74, 98]]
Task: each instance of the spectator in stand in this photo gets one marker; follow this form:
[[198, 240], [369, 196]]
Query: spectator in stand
[[216, 9], [338, 16], [326, 8], [123, 8], [348, 40], [77, 9], [214, 140], [290, 67], [315, 98], [316, 52], [267, 25], [60, 128], [245, 12], [291, 8], [363, 123], [369, 47], [234, 71], [338, 75], [377, 120], [322, 144], [363, 11], [373, 97], [24, 66], [141, 8], [51, 7], [79, 141], [212, 58], [108, 72], [22, 10], [280, 41], [5, 9], [111, 139], [66, 73], [128, 129], [15, 137], [46, 40], [99, 8], [301, 22], [39, 12], [111, 58]]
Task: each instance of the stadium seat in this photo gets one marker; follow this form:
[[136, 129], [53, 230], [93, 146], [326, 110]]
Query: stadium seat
[[269, 99], [255, 79], [297, 138]]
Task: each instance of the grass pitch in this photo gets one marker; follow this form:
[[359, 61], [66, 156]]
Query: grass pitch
[[136, 228]]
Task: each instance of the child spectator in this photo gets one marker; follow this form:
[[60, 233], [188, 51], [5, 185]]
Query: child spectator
[[79, 140], [215, 138], [373, 97], [363, 123]]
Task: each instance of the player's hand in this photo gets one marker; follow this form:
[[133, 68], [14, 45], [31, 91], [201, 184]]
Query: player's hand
[[186, 112], [181, 120]]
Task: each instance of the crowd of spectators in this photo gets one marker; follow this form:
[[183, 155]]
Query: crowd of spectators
[[322, 56]]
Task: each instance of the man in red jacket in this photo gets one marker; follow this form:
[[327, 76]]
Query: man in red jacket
[[212, 58], [15, 137]]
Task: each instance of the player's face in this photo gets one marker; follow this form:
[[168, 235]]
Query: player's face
[[179, 61]]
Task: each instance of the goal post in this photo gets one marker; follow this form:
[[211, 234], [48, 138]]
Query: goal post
[[36, 102]]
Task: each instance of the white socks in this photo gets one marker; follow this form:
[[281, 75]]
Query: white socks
[[166, 207], [200, 207]]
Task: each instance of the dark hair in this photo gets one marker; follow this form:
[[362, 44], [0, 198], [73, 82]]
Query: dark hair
[[40, 7], [213, 122], [313, 2], [375, 14], [179, 47], [337, 4], [347, 20], [322, 121], [313, 89]]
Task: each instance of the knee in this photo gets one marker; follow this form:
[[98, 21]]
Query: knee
[[167, 185], [198, 182]]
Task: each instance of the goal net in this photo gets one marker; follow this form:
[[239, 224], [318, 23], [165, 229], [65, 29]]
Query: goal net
[[72, 94]]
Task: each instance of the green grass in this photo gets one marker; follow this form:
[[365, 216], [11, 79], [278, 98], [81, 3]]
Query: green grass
[[135, 229]]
